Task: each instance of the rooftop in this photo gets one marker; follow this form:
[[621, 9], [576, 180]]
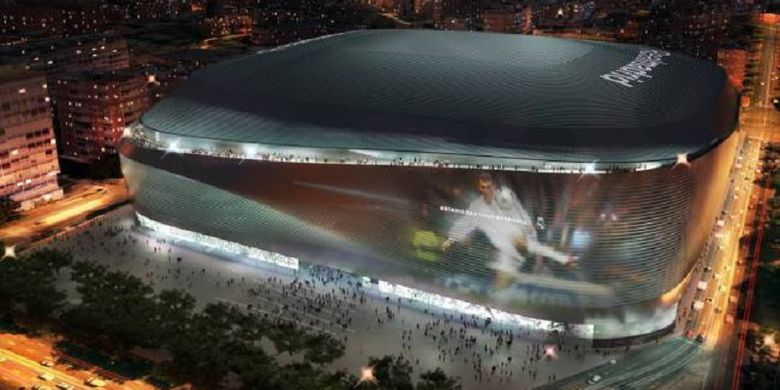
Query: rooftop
[[453, 92]]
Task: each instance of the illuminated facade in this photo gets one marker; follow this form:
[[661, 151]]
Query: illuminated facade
[[93, 109], [559, 186], [28, 152]]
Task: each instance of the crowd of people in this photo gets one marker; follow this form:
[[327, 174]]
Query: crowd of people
[[323, 299]]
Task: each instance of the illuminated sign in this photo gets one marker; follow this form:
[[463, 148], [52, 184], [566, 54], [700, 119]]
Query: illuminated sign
[[633, 73]]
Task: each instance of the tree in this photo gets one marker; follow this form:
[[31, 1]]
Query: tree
[[437, 380], [221, 343], [322, 349], [107, 167], [27, 284], [9, 209], [115, 308], [173, 313], [391, 373]]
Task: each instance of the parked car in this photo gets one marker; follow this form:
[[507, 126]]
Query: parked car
[[594, 379]]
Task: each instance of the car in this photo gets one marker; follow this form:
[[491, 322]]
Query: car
[[47, 363], [594, 379], [709, 299], [40, 387], [46, 376], [65, 386], [718, 310], [700, 339], [95, 382]]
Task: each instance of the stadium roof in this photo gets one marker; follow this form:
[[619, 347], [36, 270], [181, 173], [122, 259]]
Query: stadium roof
[[460, 92]]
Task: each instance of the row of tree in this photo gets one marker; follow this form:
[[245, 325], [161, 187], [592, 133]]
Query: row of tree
[[212, 347]]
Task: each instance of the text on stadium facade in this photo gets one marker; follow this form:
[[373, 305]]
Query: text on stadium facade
[[640, 67]]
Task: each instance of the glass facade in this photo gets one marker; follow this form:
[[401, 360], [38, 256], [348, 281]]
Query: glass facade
[[566, 246]]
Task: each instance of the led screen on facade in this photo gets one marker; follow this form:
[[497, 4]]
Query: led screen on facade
[[523, 241]]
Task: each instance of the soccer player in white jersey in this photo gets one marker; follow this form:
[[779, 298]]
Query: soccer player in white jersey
[[499, 215]]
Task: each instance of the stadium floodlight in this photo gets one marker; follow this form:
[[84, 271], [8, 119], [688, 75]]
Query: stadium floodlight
[[590, 169], [173, 146], [682, 159]]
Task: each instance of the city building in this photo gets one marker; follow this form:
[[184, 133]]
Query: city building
[[507, 18], [423, 9], [225, 24], [28, 151], [396, 7], [155, 9], [270, 35], [734, 62], [278, 22], [23, 22], [552, 181], [592, 34], [67, 55], [455, 14], [695, 28], [93, 108]]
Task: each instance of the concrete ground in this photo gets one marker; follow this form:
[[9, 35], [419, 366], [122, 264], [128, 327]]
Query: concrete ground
[[330, 302]]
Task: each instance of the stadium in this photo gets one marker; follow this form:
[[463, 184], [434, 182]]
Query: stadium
[[535, 178]]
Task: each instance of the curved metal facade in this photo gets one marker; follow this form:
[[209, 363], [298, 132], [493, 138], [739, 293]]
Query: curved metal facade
[[459, 92], [627, 237], [531, 174]]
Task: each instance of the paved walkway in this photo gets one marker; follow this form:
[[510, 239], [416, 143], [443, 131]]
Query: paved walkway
[[330, 301]]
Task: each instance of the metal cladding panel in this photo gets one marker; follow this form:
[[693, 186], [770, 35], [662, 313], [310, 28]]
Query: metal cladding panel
[[460, 92], [633, 236]]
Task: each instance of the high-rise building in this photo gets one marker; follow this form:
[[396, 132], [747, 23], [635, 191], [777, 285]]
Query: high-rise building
[[28, 153], [93, 108]]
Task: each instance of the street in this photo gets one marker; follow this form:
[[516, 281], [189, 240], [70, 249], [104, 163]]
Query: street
[[79, 201], [20, 365], [640, 369]]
